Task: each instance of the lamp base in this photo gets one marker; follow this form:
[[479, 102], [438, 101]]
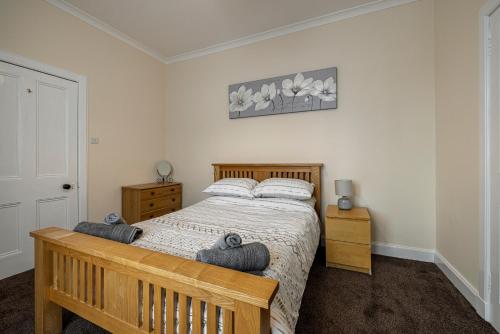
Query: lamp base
[[344, 203]]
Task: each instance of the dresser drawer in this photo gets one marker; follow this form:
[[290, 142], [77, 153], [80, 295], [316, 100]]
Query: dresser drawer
[[170, 201], [159, 192], [356, 231], [348, 254], [158, 213]]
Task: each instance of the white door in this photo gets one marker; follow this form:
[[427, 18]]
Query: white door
[[494, 165], [38, 155]]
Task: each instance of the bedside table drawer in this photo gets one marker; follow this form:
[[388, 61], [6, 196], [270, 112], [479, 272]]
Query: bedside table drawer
[[348, 254], [348, 230]]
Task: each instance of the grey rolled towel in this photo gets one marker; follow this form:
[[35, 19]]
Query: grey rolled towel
[[228, 240], [114, 219], [255, 272], [122, 232], [249, 257]]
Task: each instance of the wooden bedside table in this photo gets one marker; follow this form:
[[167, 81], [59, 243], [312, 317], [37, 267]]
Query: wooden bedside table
[[146, 201], [348, 239]]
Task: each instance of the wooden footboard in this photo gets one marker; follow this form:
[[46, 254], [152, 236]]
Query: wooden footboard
[[127, 289]]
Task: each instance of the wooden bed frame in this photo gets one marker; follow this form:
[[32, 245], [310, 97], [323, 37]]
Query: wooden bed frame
[[308, 172], [127, 289]]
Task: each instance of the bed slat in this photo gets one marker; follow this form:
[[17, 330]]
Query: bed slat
[[146, 306], [67, 276], [98, 287], [158, 307], [74, 278], [54, 269], [196, 315], [170, 305], [81, 281], [211, 318], [183, 313], [227, 321], [132, 296], [88, 281]]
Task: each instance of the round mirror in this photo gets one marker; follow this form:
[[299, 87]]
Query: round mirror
[[164, 169]]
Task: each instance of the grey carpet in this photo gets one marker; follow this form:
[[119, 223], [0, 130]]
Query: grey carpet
[[402, 296]]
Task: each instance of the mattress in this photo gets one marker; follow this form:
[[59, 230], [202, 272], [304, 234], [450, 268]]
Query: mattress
[[289, 228]]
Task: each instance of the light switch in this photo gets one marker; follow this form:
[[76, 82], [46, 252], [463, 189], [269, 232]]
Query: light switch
[[94, 140]]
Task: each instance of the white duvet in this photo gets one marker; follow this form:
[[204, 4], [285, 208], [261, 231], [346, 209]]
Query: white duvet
[[289, 228]]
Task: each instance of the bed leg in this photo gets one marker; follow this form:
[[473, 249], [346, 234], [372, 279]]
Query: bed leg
[[47, 314], [251, 319]]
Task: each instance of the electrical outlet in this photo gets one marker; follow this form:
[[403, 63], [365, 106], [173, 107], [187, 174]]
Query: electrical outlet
[[94, 140]]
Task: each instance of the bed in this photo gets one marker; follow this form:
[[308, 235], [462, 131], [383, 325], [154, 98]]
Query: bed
[[155, 286]]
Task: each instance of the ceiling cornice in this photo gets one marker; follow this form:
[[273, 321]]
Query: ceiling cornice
[[344, 14], [370, 7]]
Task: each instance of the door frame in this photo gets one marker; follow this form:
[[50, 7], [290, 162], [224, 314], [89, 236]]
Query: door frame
[[485, 241], [81, 80]]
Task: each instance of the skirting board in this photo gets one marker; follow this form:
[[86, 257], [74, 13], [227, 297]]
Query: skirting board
[[403, 252], [460, 282]]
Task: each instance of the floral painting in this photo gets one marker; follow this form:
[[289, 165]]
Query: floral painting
[[303, 91]]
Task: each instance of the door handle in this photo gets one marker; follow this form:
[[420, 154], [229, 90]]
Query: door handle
[[67, 186]]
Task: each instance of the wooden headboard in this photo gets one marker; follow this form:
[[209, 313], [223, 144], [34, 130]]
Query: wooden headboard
[[308, 172]]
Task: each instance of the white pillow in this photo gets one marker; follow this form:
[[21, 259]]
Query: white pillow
[[311, 202], [233, 187], [284, 188]]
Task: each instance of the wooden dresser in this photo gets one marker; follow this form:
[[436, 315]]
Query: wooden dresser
[[348, 239], [146, 201]]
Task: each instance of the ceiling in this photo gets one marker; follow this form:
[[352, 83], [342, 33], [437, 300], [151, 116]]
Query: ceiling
[[173, 27]]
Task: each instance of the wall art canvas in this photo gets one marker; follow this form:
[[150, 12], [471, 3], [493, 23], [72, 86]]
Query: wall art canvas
[[303, 91]]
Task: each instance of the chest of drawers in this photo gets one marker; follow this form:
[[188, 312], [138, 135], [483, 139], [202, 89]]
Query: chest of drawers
[[146, 201]]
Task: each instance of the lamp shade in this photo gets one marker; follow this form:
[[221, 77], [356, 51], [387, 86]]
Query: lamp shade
[[343, 187]]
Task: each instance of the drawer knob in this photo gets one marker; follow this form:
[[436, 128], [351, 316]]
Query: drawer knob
[[151, 216], [151, 204], [173, 199], [172, 189], [152, 193]]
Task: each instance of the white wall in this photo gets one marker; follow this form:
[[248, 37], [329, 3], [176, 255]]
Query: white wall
[[382, 135], [457, 128]]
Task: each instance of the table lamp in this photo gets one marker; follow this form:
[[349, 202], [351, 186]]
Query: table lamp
[[343, 188]]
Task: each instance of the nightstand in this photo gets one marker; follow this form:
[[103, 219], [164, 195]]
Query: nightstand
[[348, 239]]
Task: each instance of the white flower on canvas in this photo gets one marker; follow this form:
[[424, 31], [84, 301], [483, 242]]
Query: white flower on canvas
[[298, 87], [240, 100], [266, 95], [326, 91]]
